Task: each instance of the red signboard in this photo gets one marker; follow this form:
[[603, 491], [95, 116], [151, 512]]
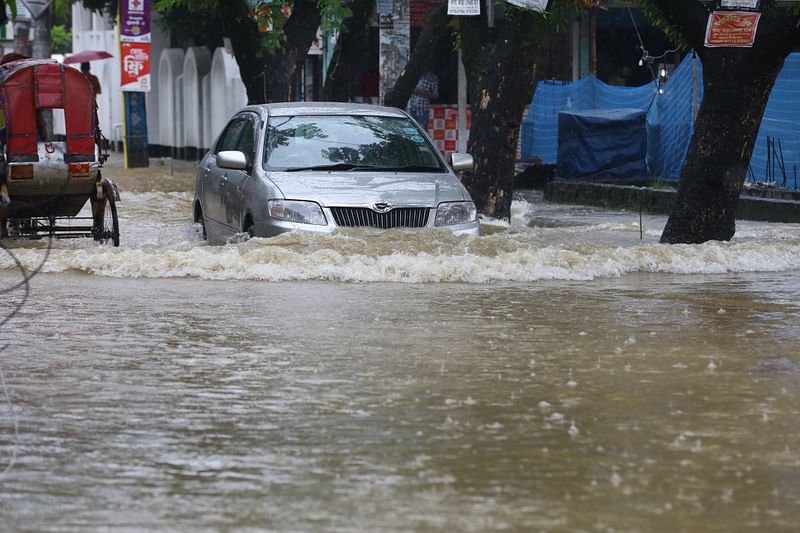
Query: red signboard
[[731, 29], [135, 67]]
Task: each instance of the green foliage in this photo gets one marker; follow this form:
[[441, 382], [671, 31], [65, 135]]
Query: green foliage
[[198, 20], [334, 13], [61, 39], [62, 13], [12, 6]]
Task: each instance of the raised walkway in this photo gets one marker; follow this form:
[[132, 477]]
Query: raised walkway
[[755, 203]]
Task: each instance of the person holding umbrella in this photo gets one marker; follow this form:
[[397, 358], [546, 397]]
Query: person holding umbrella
[[83, 58], [93, 81]]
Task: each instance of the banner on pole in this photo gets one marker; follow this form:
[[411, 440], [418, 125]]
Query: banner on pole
[[463, 7], [135, 67], [733, 29], [134, 36], [134, 20]]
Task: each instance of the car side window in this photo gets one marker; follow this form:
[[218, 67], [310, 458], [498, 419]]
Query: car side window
[[229, 140], [247, 142]]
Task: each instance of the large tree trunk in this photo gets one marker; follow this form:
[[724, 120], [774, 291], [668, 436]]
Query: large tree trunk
[[501, 77], [350, 47], [737, 83], [736, 93], [268, 77], [422, 58]]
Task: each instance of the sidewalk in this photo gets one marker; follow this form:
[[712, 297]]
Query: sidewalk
[[163, 174], [115, 160], [659, 201]]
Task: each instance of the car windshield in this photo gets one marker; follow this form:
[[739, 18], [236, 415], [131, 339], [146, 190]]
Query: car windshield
[[348, 142]]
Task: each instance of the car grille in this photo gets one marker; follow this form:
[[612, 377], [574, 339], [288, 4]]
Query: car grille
[[402, 217]]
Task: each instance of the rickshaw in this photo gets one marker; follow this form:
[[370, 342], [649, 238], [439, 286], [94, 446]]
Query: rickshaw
[[46, 180]]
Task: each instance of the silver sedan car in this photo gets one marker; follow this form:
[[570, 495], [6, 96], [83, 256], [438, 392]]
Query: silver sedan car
[[319, 167]]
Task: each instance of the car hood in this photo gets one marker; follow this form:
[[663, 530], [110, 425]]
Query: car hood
[[364, 188]]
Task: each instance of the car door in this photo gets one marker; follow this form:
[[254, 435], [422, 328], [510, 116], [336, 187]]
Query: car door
[[234, 182], [214, 187]]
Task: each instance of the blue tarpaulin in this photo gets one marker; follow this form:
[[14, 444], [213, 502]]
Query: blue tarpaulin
[[670, 118], [670, 114], [602, 144]]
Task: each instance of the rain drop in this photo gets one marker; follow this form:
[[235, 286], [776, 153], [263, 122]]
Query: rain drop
[[573, 431]]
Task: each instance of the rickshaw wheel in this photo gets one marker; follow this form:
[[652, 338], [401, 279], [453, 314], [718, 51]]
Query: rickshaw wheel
[[104, 213], [106, 222], [111, 224]]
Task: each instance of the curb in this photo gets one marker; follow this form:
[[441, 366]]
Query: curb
[[659, 201]]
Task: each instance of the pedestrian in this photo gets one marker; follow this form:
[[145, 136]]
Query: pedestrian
[[419, 105], [93, 81]]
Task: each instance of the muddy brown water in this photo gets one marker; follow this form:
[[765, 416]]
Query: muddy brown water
[[557, 374]]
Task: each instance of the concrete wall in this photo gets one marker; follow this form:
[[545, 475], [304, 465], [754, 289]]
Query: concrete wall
[[94, 32], [196, 66], [194, 92]]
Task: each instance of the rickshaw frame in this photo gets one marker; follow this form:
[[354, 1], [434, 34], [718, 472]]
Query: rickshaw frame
[[46, 181]]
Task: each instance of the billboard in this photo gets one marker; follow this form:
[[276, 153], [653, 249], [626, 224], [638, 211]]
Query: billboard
[[135, 67], [134, 36]]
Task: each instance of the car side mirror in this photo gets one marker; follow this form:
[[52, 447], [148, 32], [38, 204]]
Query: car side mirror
[[232, 159], [461, 162]]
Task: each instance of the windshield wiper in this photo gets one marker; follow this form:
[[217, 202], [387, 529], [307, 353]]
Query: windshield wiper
[[335, 166], [356, 167], [407, 168]]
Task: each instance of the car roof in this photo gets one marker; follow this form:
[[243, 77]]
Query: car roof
[[287, 109]]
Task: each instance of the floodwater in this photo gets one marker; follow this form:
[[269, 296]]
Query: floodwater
[[564, 372]]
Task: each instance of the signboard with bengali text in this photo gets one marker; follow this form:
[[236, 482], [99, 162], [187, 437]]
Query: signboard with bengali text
[[134, 36], [733, 29], [135, 67], [134, 20], [463, 7], [739, 4]]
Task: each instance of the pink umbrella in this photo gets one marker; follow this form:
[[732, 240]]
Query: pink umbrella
[[87, 55]]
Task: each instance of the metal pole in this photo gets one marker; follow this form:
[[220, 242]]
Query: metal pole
[[462, 106]]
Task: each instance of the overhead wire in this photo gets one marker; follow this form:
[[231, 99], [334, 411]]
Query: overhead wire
[[647, 59]]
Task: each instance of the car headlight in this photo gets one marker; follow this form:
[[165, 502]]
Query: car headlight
[[297, 211], [452, 213]]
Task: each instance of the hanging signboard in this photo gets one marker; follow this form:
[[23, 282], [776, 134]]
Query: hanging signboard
[[463, 7], [536, 5], [135, 67], [752, 5], [134, 36], [134, 20], [732, 29]]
